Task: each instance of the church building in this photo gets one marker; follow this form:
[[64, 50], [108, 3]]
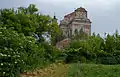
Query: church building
[[77, 20]]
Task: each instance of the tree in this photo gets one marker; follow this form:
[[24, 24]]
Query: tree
[[110, 43], [58, 37], [29, 21], [19, 49]]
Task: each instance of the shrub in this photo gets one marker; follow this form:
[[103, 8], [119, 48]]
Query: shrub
[[19, 50], [116, 55], [78, 55], [18, 53], [50, 52], [11, 52], [95, 49]]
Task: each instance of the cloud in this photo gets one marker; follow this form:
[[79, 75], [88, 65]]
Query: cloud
[[12, 3], [100, 3], [103, 13]]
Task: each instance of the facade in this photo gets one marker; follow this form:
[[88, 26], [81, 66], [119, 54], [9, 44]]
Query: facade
[[76, 20]]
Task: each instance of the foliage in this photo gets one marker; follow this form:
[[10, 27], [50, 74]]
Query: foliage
[[58, 37], [11, 52], [22, 40], [23, 45], [50, 52], [95, 49], [29, 21]]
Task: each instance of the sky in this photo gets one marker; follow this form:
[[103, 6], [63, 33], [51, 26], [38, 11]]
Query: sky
[[104, 14]]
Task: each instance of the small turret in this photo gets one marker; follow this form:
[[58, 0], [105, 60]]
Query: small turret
[[55, 19]]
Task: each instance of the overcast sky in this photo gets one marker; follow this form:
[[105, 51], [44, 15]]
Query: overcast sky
[[104, 14]]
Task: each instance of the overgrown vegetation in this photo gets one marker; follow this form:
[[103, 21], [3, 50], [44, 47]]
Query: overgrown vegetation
[[23, 46], [95, 49]]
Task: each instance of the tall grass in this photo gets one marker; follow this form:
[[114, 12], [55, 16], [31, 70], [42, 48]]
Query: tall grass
[[93, 70]]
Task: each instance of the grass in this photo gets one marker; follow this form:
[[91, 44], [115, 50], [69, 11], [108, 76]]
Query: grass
[[54, 70], [93, 70], [76, 70]]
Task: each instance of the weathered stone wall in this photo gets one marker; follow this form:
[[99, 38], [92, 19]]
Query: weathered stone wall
[[62, 44], [76, 20]]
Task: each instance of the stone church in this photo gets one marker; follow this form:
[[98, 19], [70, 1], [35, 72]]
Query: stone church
[[76, 20]]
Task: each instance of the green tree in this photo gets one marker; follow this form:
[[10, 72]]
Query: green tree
[[58, 37], [110, 43], [19, 50], [29, 21], [17, 53]]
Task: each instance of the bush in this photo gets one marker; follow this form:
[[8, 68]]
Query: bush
[[10, 63], [78, 55], [22, 33], [95, 49], [18, 53], [50, 52], [116, 55], [11, 52]]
